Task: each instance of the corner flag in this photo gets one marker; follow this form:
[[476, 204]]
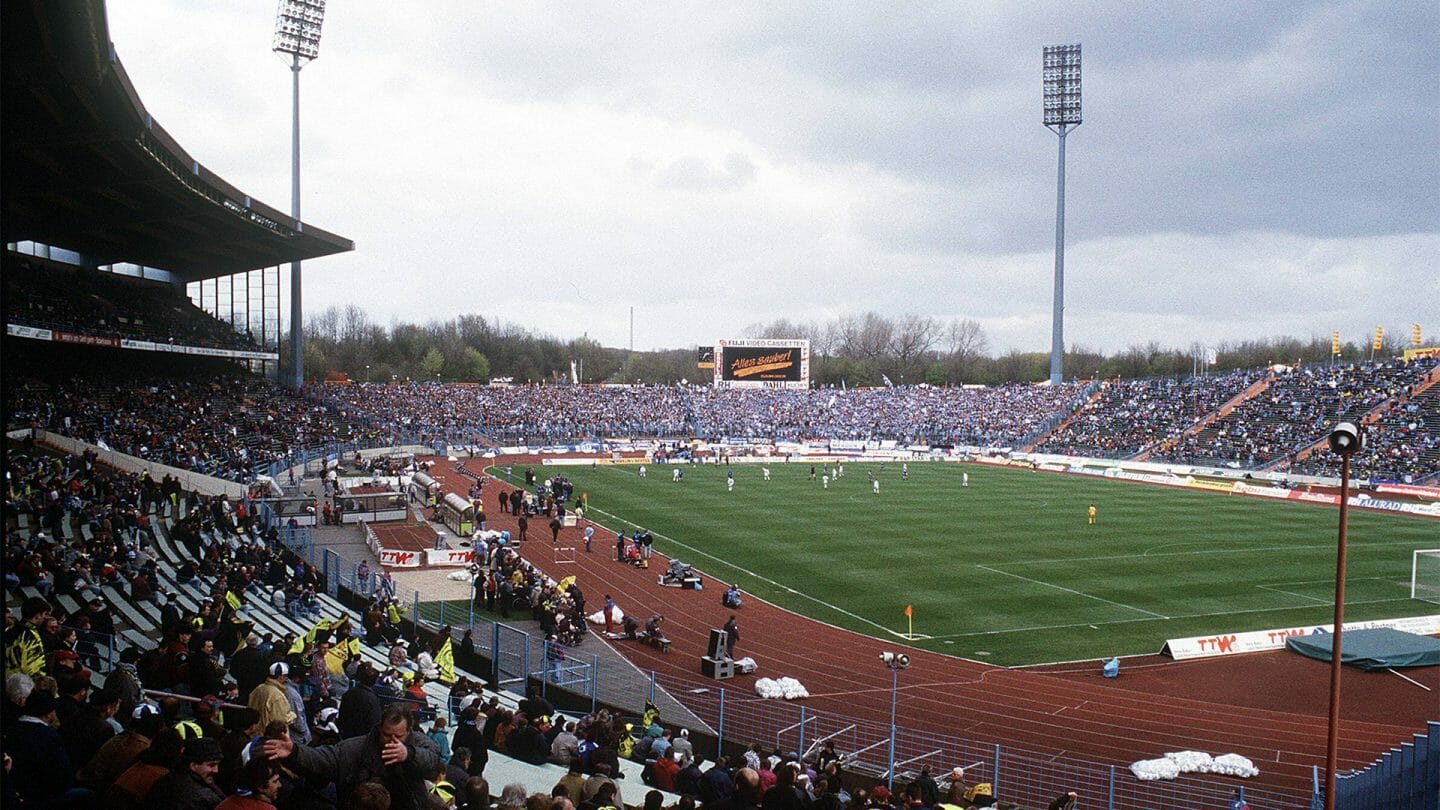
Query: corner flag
[[909, 611], [910, 621]]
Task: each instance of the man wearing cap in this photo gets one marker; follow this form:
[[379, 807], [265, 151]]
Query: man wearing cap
[[122, 750], [269, 700], [682, 746], [24, 644], [393, 754], [190, 785]]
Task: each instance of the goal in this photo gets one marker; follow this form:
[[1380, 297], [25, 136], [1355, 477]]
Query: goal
[[1425, 575]]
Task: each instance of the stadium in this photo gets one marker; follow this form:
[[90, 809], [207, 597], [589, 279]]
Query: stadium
[[1116, 590]]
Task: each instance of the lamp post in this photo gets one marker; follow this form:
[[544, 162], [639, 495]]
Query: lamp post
[[1061, 73], [297, 33], [1345, 439], [896, 662]]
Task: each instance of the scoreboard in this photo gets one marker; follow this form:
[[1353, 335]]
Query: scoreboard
[[762, 363]]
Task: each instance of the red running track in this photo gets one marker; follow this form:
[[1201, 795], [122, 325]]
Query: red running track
[[1218, 708]]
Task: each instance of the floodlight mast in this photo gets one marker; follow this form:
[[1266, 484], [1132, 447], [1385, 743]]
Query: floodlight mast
[[1061, 72], [297, 33]]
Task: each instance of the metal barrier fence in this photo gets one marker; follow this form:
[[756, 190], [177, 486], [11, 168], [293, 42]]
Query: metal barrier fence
[[1405, 778], [1026, 778]]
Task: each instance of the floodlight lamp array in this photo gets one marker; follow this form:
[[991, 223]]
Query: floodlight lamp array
[[1061, 73], [297, 27]]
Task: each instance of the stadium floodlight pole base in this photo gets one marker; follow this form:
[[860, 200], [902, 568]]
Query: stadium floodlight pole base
[[1332, 748]]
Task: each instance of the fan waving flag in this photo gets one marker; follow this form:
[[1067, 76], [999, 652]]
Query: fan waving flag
[[445, 660]]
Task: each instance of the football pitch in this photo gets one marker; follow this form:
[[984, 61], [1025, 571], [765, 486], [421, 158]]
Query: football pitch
[[1009, 570]]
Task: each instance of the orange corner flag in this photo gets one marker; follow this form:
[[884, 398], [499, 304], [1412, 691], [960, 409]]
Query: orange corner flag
[[909, 611]]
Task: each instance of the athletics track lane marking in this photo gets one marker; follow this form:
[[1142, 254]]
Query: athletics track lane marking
[[1072, 590]]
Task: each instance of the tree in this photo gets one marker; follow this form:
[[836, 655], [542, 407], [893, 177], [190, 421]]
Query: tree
[[965, 343], [432, 364], [472, 366]]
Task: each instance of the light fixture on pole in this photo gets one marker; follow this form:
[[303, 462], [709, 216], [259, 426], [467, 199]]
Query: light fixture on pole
[[1346, 439], [1061, 72], [896, 662], [297, 33]]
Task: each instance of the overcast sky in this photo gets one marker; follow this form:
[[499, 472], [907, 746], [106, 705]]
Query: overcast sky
[[1245, 170]]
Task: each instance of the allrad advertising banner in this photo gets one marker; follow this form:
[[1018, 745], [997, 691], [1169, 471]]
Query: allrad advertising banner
[[762, 364]]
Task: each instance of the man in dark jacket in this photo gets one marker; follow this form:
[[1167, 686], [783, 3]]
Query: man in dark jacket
[[360, 706], [393, 754], [191, 785], [249, 665], [41, 771], [527, 744], [718, 783], [687, 781]]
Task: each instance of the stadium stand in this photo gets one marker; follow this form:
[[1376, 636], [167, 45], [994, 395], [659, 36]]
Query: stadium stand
[[51, 295]]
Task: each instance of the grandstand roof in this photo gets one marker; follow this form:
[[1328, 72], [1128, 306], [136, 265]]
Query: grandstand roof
[[86, 168]]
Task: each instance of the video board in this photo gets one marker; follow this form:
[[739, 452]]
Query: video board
[[762, 363]]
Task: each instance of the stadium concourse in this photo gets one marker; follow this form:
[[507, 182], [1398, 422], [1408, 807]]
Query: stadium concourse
[[1055, 714]]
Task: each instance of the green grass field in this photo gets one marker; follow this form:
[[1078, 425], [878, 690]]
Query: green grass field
[[1007, 570]]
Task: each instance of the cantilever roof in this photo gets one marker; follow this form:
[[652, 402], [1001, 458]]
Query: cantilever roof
[[86, 167]]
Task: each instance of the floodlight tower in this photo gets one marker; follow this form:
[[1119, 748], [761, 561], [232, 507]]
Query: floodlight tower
[[1061, 73], [297, 33]]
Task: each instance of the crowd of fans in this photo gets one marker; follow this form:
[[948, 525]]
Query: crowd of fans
[[1128, 416], [1402, 445], [234, 427], [104, 304], [225, 427], [1299, 407], [1001, 416]]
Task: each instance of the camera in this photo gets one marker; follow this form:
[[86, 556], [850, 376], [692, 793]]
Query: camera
[[1346, 438], [895, 660]]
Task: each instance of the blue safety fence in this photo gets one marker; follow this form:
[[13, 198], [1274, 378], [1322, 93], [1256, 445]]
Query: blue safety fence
[[1405, 778]]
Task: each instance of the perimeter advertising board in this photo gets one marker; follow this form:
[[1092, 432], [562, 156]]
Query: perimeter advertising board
[[764, 363]]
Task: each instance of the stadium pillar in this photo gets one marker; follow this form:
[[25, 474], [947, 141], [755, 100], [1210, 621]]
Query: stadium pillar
[[1057, 317]]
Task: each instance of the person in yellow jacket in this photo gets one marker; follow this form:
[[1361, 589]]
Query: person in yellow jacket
[[268, 699], [24, 646], [1091, 513]]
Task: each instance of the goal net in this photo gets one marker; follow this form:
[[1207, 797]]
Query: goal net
[[1425, 575]]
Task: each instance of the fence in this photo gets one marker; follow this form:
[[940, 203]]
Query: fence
[[1405, 778]]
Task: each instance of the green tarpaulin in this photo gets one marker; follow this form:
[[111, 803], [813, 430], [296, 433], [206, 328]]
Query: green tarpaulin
[[1380, 648]]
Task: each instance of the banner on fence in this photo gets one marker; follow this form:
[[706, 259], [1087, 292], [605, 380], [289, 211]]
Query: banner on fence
[[1260, 640], [395, 558], [450, 557]]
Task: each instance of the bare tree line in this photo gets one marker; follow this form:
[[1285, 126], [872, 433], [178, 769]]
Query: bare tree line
[[852, 350]]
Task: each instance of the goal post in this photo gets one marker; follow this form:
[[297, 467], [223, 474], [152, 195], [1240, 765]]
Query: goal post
[[1425, 575]]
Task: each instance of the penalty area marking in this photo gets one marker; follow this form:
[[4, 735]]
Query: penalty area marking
[[764, 579]]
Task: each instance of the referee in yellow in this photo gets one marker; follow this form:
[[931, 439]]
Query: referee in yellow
[[1091, 512]]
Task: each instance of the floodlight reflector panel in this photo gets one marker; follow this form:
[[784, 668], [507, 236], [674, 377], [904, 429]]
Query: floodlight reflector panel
[[1061, 73], [297, 27]]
